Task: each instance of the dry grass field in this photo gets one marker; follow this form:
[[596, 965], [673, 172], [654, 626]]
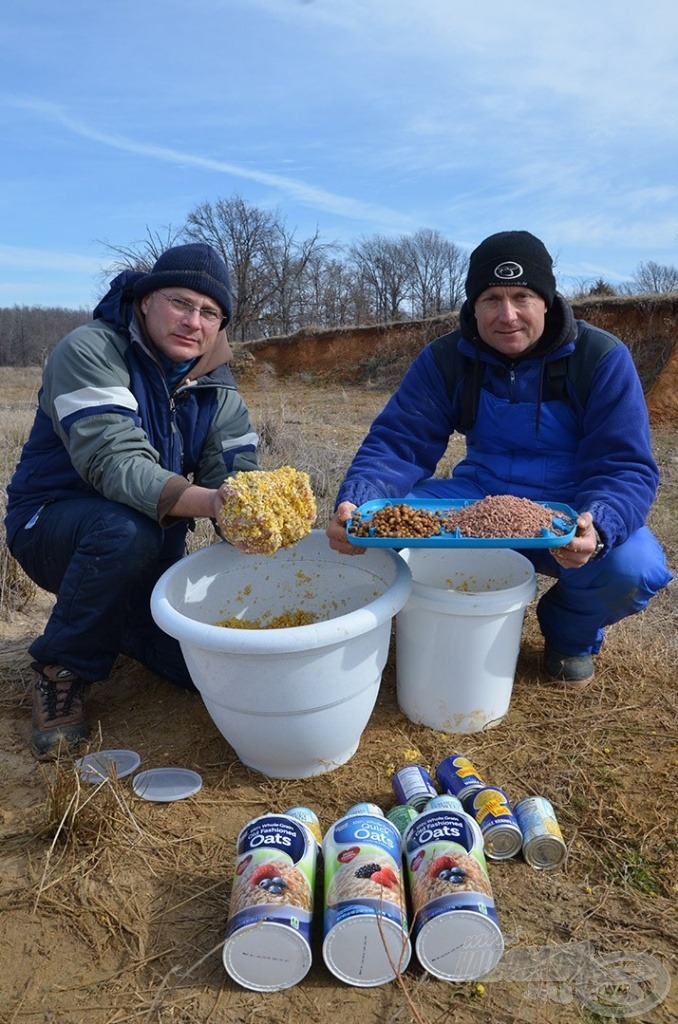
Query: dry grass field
[[112, 909]]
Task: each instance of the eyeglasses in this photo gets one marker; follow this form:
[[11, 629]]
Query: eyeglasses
[[182, 307]]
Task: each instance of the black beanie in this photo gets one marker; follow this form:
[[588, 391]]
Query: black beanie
[[511, 258], [196, 266]]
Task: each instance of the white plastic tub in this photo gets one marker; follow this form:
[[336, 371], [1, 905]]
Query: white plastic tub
[[291, 702], [458, 635]]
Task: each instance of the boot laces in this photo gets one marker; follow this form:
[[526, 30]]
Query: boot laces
[[61, 696]]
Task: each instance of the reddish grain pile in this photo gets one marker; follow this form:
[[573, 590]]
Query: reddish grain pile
[[501, 515]]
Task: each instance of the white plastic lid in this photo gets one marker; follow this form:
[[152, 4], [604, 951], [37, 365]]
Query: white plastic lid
[[267, 956], [461, 945], [166, 784], [104, 763], [365, 950]]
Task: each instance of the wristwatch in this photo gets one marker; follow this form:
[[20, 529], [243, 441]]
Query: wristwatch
[[600, 546]]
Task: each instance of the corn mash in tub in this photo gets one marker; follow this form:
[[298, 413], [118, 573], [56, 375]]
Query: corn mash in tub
[[266, 510]]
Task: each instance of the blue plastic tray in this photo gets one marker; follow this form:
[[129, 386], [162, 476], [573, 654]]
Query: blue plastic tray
[[564, 519]]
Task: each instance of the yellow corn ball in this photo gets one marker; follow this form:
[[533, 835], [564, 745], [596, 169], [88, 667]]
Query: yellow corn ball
[[266, 510]]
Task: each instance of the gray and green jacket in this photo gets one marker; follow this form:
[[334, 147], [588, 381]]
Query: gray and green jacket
[[108, 424]]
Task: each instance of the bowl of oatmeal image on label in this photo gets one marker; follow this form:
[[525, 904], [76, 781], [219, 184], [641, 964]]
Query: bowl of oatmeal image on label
[[268, 934], [457, 936], [365, 931]]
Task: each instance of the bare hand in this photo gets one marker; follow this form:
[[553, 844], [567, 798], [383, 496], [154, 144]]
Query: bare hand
[[581, 547], [336, 531]]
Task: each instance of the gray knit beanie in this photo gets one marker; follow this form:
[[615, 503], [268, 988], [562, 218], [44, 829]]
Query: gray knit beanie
[[515, 258], [196, 266]]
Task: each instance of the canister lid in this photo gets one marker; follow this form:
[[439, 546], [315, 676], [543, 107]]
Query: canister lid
[[102, 764], [366, 950], [460, 945], [166, 784], [267, 956]]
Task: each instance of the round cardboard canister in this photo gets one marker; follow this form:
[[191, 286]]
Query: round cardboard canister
[[461, 945], [456, 930], [267, 956], [366, 951], [366, 940], [268, 931]]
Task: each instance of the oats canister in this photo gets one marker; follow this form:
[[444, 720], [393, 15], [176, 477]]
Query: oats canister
[[457, 936], [366, 940], [268, 933]]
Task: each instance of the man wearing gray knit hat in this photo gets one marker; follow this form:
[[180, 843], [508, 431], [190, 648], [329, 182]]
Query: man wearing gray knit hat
[[552, 410], [139, 424]]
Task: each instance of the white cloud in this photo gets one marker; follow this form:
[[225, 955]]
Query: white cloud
[[19, 258]]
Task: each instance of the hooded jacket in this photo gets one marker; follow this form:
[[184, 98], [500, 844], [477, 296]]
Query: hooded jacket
[[108, 424], [586, 446]]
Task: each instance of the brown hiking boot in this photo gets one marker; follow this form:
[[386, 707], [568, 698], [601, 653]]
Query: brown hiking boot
[[58, 711]]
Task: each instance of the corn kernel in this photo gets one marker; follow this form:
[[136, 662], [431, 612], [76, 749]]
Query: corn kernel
[[266, 510]]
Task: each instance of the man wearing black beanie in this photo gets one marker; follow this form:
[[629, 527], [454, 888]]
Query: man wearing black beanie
[[552, 410], [139, 424]]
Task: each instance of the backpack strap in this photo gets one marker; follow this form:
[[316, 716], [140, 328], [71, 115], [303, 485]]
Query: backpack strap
[[591, 345]]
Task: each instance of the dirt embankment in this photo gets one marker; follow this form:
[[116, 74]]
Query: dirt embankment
[[647, 324]]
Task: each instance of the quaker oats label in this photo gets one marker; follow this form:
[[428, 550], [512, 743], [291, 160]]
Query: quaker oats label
[[456, 931], [365, 921], [268, 933]]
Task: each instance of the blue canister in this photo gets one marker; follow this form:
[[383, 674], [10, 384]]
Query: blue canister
[[268, 934], [457, 776], [444, 802], [414, 786], [492, 810]]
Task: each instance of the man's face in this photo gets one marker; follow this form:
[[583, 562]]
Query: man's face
[[510, 319], [182, 323]]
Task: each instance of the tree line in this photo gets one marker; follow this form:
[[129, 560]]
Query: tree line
[[283, 282]]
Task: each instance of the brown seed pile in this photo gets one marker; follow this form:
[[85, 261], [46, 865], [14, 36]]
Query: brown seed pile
[[399, 520], [501, 515]]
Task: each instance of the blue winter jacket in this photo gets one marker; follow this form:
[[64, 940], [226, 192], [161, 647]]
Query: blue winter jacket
[[107, 424], [586, 443]]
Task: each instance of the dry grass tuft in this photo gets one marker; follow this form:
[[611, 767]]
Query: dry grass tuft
[[16, 588]]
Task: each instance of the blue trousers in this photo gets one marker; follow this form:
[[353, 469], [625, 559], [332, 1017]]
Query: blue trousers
[[102, 560], [574, 612]]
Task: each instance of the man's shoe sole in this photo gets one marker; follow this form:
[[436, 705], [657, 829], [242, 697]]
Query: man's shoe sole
[[571, 684]]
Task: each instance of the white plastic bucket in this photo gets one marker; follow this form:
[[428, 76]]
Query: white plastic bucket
[[292, 702], [458, 635]]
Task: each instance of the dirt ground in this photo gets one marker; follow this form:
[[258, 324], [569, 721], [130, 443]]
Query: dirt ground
[[112, 908]]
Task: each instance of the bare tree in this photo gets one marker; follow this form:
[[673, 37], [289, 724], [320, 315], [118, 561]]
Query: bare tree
[[140, 255], [331, 295], [436, 272], [655, 278], [381, 263], [29, 333], [241, 232]]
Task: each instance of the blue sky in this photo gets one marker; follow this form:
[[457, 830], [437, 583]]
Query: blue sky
[[354, 117]]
